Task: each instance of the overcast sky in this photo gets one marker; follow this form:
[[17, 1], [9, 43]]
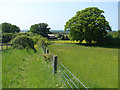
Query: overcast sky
[[25, 13]]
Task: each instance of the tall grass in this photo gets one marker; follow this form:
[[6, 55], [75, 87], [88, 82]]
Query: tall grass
[[0, 69], [26, 69], [96, 67]]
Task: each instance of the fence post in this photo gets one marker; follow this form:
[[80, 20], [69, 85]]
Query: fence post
[[44, 49], [55, 64], [47, 51], [6, 46], [1, 47]]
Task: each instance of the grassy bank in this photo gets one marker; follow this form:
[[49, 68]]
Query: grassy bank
[[0, 69], [96, 67], [23, 69]]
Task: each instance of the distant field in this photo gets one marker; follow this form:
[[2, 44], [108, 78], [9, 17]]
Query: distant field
[[96, 67], [23, 69], [67, 41]]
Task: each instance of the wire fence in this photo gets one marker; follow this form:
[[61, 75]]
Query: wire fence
[[68, 79]]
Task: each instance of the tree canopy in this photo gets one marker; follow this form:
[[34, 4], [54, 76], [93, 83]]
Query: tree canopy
[[9, 28], [41, 28], [88, 24]]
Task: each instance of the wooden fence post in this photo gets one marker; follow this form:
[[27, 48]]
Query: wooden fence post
[[44, 49], [6, 46], [54, 64], [1, 47], [47, 51]]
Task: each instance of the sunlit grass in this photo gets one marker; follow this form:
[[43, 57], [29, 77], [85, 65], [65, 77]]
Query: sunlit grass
[[96, 67], [69, 41], [26, 69]]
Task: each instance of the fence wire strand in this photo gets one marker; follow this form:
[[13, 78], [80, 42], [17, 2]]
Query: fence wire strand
[[68, 77], [73, 75], [59, 63], [63, 80]]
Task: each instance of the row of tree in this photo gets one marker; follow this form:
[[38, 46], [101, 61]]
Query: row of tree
[[41, 28]]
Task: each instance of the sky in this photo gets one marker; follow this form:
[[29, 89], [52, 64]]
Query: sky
[[24, 13]]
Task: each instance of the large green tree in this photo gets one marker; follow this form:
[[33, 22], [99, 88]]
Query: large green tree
[[40, 28], [89, 25], [9, 28]]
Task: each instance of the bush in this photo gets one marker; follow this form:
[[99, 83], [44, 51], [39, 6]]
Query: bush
[[21, 42], [59, 35], [34, 36], [109, 41], [64, 37], [18, 34], [43, 41], [6, 37], [48, 57]]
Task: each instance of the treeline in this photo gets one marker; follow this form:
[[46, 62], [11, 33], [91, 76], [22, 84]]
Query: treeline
[[112, 39], [38, 33]]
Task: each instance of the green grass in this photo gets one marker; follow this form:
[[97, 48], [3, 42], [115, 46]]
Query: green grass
[[23, 69], [94, 66], [0, 69]]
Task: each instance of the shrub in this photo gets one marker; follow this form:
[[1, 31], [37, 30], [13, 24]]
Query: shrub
[[109, 41], [34, 36], [67, 38], [48, 57], [6, 37], [21, 42], [59, 35], [63, 37], [18, 34], [43, 41]]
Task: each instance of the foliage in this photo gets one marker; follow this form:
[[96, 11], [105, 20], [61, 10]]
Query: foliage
[[34, 36], [110, 41], [59, 35], [9, 28], [41, 28], [88, 24], [6, 37], [21, 42], [48, 57], [18, 34], [43, 41], [116, 34], [64, 37]]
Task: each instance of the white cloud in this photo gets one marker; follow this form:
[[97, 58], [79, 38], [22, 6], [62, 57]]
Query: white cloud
[[59, 0]]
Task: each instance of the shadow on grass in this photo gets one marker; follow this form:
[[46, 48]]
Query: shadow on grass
[[96, 45]]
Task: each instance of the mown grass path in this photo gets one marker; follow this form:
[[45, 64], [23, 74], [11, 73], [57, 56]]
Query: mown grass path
[[96, 67], [26, 69]]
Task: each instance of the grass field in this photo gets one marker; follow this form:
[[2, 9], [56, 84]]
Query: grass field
[[23, 69], [96, 67], [0, 69]]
